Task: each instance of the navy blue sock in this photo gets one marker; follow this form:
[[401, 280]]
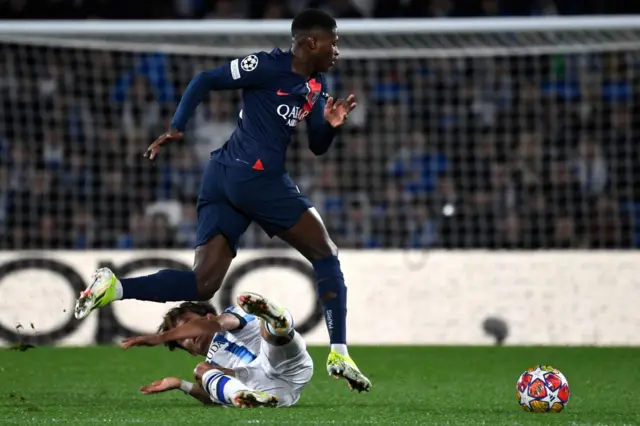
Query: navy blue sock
[[168, 285], [329, 279]]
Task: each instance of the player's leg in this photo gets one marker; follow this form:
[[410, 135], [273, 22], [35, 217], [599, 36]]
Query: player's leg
[[224, 388], [220, 227], [283, 342], [309, 236], [283, 351], [276, 204]]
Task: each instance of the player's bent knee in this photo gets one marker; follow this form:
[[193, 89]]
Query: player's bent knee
[[201, 369], [208, 290], [331, 250], [325, 250], [208, 282]]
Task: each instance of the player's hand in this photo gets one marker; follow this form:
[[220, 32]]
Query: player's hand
[[149, 340], [166, 384], [336, 111], [170, 136]]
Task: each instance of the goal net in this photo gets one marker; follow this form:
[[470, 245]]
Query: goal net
[[481, 134]]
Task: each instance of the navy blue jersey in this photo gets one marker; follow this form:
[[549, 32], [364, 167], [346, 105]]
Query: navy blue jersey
[[275, 99]]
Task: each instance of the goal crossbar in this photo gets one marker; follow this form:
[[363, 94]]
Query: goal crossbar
[[347, 26]]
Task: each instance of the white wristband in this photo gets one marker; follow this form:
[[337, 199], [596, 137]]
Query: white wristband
[[186, 386]]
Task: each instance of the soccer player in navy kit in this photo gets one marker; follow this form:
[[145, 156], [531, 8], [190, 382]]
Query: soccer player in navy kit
[[246, 181]]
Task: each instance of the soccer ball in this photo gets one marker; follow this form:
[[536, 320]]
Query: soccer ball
[[542, 388]]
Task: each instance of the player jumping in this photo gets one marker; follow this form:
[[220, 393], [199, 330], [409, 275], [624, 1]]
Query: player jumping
[[246, 181], [249, 363]]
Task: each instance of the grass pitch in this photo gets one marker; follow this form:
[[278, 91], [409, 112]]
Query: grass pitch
[[411, 386]]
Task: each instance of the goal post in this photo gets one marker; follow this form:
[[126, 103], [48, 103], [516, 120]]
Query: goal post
[[470, 133]]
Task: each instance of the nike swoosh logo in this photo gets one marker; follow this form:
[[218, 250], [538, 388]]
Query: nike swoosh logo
[[281, 93]]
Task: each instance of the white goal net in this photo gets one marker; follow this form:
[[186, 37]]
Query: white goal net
[[482, 134]]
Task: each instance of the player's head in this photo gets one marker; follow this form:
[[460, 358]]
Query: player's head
[[185, 312], [315, 33]]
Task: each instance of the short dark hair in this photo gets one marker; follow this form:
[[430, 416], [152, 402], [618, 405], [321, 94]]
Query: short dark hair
[[171, 317], [311, 19]]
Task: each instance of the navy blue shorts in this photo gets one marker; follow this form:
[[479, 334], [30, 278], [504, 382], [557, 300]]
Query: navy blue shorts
[[232, 197]]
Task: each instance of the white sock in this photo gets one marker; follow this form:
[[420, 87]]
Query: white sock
[[280, 331], [220, 387], [118, 290], [289, 351], [340, 348]]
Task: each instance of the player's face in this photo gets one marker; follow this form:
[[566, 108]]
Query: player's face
[[327, 51], [197, 346]]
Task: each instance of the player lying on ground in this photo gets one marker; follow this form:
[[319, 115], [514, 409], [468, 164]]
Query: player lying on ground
[[249, 362], [246, 181]]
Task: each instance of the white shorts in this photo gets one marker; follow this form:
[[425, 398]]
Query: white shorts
[[282, 371]]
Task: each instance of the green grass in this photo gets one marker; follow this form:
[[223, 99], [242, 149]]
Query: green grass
[[411, 386]]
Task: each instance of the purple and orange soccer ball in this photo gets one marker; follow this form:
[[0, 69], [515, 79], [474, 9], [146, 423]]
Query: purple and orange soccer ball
[[542, 389]]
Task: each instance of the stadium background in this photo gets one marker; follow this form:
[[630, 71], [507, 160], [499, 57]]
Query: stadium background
[[485, 191], [442, 152], [482, 165]]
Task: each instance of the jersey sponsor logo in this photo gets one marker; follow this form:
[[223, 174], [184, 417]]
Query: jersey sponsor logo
[[215, 347], [249, 63], [292, 114], [221, 343]]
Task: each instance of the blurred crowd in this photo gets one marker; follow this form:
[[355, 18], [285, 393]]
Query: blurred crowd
[[282, 9], [524, 152]]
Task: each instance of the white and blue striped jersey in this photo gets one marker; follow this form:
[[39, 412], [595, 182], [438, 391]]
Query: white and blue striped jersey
[[237, 348]]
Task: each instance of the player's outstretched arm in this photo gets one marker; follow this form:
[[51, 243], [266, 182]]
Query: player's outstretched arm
[[174, 383], [217, 79], [206, 81], [187, 330], [324, 119], [249, 71]]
